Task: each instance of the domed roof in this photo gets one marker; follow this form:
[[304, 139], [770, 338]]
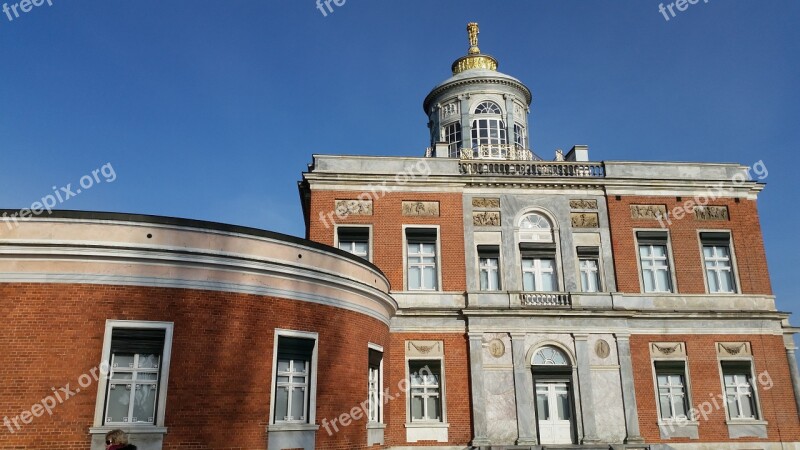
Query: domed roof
[[475, 68]]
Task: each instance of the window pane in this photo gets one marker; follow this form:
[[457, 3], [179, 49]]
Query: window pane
[[726, 281], [414, 278], [433, 408], [144, 403], [747, 407], [416, 408], [281, 403], [123, 361], [663, 280], [548, 282], [283, 365], [666, 411], [430, 278], [528, 282], [148, 361], [484, 280], [119, 398], [298, 401], [563, 406], [542, 405]]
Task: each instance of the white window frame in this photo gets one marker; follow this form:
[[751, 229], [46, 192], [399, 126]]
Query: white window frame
[[369, 238], [381, 405], [687, 391], [520, 136], [441, 387], [455, 131], [670, 262], [312, 381], [497, 270], [439, 262], [753, 391], [733, 265], [163, 380], [538, 271], [591, 273]]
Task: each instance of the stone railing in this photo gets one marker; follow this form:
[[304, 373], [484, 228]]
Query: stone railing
[[545, 299], [498, 152], [532, 169]]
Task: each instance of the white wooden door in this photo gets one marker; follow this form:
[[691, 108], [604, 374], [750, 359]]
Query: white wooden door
[[554, 412]]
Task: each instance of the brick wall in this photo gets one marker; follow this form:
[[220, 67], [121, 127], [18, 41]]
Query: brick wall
[[387, 221], [777, 404], [456, 381], [219, 385], [751, 261]]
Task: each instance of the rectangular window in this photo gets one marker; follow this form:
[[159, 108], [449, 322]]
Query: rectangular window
[[354, 240], [133, 382], [293, 379], [489, 267], [375, 388], [654, 261], [426, 391], [452, 135], [538, 267], [739, 395], [589, 266], [673, 398], [421, 267], [718, 262], [519, 136]]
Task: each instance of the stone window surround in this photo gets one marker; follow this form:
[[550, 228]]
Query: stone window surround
[[375, 430], [154, 433], [556, 235], [435, 431], [675, 428], [354, 225], [294, 435], [439, 287], [738, 428], [670, 261], [734, 265]]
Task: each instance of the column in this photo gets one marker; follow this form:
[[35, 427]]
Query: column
[[628, 389], [523, 388], [466, 124], [788, 340], [585, 380], [478, 399]]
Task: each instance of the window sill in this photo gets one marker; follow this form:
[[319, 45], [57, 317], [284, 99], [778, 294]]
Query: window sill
[[678, 428], [129, 429], [292, 427], [375, 425], [427, 431], [740, 428]]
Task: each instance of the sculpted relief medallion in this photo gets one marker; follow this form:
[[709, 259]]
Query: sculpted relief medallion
[[602, 349], [497, 348]]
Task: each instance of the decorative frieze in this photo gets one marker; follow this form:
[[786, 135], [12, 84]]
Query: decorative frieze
[[486, 219], [424, 348], [485, 202], [585, 220], [429, 209], [648, 212], [449, 110], [353, 207], [733, 349], [711, 213], [583, 204], [668, 349]]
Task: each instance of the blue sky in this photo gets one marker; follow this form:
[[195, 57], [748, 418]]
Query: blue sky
[[211, 110]]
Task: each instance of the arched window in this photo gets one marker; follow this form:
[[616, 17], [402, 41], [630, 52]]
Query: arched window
[[550, 356], [488, 108], [535, 221]]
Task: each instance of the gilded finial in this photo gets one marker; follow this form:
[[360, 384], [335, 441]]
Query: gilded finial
[[474, 59], [473, 30]]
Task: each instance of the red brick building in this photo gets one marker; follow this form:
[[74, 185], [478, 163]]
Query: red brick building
[[474, 297]]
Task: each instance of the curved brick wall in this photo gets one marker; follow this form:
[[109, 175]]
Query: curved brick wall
[[219, 384]]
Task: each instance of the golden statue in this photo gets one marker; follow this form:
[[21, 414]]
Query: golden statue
[[473, 31]]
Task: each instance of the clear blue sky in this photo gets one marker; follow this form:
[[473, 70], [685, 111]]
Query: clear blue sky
[[211, 110]]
